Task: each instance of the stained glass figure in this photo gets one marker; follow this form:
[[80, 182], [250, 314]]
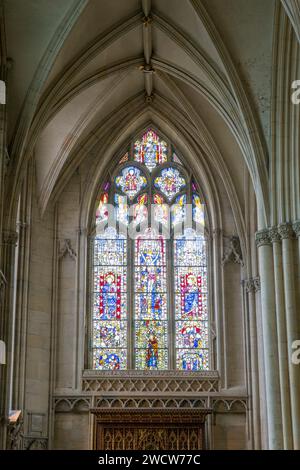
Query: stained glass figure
[[102, 210], [150, 150], [198, 210], [161, 210], [178, 210], [191, 302], [110, 298], [150, 302], [170, 182], [140, 212], [131, 181], [122, 209], [142, 183]]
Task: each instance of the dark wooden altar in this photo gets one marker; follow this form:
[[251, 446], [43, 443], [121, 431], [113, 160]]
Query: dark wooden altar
[[149, 429]]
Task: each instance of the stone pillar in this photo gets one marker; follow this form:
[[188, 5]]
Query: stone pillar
[[292, 324], [282, 340], [252, 286], [9, 240], [266, 269]]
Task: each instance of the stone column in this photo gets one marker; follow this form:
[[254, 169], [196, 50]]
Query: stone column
[[266, 269], [9, 240], [282, 340], [252, 286], [292, 324]]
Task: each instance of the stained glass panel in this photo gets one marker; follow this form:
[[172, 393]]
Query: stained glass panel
[[150, 150], [150, 303], [122, 209], [178, 210], [140, 211], [161, 210], [109, 302], [149, 270], [198, 210], [102, 210], [170, 182], [191, 316], [131, 181]]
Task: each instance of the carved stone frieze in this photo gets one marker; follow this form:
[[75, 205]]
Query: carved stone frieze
[[164, 383]]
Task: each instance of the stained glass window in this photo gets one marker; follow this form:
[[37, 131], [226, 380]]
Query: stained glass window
[[191, 316], [169, 182], [109, 301], [151, 330], [150, 150], [149, 295], [131, 181]]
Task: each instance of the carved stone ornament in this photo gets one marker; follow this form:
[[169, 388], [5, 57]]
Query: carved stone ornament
[[9, 237], [286, 231], [67, 250], [262, 238], [233, 253], [252, 285], [274, 235], [296, 227]]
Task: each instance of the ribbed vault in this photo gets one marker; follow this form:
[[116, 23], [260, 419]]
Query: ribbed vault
[[110, 64]]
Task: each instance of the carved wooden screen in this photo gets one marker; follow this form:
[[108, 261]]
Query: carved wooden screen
[[145, 430]]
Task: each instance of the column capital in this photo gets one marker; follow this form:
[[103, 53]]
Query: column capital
[[286, 231], [296, 227], [252, 284], [9, 237], [262, 238], [274, 234]]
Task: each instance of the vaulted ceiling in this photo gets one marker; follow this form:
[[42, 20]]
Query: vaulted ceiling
[[84, 69]]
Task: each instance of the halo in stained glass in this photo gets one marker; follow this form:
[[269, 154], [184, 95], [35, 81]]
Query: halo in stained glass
[[169, 182], [150, 150], [131, 181]]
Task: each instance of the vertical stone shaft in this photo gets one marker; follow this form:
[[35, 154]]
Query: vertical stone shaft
[[266, 269]]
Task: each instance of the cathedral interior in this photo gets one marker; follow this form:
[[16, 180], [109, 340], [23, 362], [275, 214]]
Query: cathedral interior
[[150, 224]]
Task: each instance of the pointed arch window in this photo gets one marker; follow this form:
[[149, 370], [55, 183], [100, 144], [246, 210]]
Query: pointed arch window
[[149, 268]]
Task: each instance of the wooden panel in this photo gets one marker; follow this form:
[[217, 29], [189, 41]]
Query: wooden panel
[[146, 430]]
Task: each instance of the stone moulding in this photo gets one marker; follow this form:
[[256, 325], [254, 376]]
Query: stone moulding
[[85, 404], [163, 382]]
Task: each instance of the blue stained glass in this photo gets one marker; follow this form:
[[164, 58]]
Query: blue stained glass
[[109, 307]]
